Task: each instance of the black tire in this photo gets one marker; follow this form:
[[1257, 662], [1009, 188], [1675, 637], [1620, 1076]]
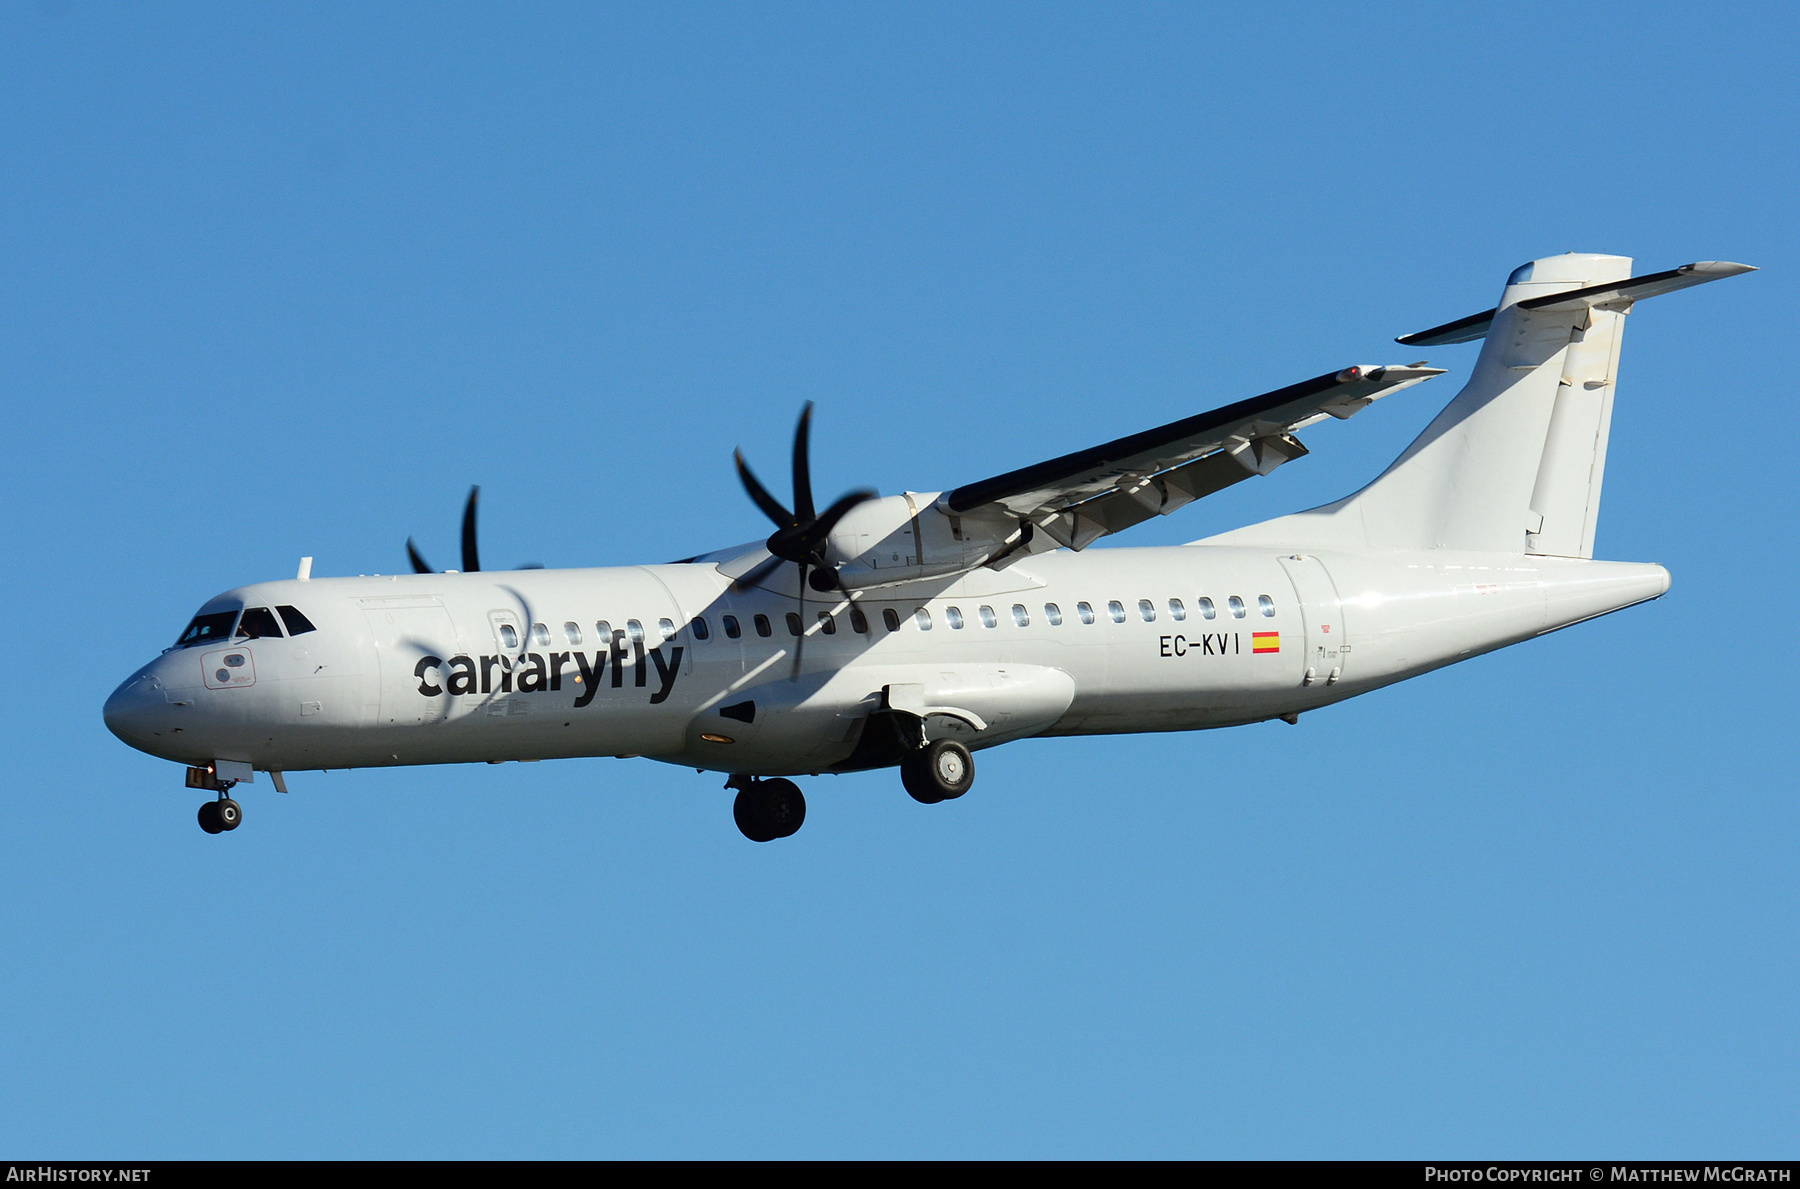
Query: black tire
[[209, 818], [918, 781], [749, 822], [942, 771], [231, 814], [782, 806]]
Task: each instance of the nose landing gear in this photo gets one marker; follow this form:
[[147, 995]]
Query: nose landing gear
[[767, 809], [224, 814]]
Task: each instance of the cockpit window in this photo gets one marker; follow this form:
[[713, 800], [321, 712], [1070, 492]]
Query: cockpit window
[[207, 629], [297, 624], [257, 623]]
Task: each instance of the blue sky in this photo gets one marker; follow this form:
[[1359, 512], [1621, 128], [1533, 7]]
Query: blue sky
[[285, 280]]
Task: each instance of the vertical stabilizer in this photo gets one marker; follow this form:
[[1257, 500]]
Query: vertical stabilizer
[[1514, 463], [1470, 480]]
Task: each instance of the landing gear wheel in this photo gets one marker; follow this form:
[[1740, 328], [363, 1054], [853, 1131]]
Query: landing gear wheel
[[230, 814], [209, 818], [769, 809], [942, 771]]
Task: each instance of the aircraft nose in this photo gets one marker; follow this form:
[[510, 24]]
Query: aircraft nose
[[133, 708]]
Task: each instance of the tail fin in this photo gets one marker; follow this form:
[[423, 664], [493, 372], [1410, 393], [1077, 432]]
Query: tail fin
[[1514, 463]]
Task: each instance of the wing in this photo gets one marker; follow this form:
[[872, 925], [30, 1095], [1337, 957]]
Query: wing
[[1083, 496]]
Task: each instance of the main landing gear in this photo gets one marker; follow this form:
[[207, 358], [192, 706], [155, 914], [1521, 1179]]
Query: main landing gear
[[224, 814], [941, 771], [767, 809]]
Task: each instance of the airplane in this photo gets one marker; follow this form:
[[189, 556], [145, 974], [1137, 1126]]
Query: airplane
[[910, 631]]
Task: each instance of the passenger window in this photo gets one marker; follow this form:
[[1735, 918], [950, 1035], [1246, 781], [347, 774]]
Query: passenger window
[[1053, 613], [953, 617], [635, 630], [731, 627], [667, 628], [509, 638], [922, 617], [987, 616], [700, 628], [573, 632], [827, 624], [1147, 609], [1116, 609], [793, 622], [859, 623], [297, 624], [1177, 611], [1086, 611], [762, 626], [1021, 616], [1237, 607], [540, 635], [1266, 604], [603, 632], [1207, 610], [257, 623], [890, 619]]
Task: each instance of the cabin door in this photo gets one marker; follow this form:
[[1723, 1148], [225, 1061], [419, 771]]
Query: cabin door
[[407, 632], [1322, 620]]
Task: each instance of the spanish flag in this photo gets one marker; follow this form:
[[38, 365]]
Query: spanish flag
[[1265, 641]]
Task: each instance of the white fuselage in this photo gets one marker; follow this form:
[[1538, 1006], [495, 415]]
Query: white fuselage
[[418, 669]]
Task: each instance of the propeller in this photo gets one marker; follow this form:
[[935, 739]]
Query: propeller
[[470, 559], [800, 535]]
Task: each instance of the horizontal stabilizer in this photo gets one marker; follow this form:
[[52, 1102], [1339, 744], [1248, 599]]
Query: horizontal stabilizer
[[1623, 293], [1463, 330], [1610, 295]]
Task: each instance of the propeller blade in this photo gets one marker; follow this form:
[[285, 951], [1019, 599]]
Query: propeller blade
[[800, 640], [471, 559], [762, 570], [822, 526], [803, 500], [769, 504], [418, 563]]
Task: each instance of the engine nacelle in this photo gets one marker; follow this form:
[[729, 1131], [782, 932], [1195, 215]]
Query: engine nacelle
[[900, 538]]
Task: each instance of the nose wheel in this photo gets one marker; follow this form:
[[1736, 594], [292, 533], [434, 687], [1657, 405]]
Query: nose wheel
[[769, 809], [216, 817], [941, 771]]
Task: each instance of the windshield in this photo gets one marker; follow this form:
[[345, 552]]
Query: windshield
[[257, 623], [206, 629]]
